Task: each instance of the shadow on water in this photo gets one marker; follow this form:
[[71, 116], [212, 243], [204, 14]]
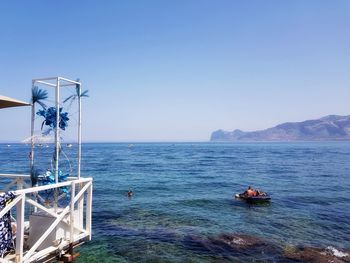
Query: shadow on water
[[258, 206]]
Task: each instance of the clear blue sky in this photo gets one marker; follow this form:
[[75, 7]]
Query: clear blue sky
[[178, 70]]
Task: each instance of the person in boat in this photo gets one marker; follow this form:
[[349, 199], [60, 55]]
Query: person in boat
[[262, 193], [250, 192], [257, 192]]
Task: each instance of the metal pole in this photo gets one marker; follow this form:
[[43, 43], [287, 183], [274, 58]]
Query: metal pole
[[71, 237], [89, 210], [20, 228], [32, 134], [79, 131], [31, 156], [81, 201], [57, 143]]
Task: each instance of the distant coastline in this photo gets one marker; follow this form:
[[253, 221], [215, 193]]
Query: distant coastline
[[328, 128]]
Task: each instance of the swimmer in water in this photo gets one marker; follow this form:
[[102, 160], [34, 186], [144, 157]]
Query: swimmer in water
[[129, 193]]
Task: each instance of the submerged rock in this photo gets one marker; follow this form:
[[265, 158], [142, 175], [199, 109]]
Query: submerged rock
[[233, 246], [239, 241], [222, 242], [317, 255], [337, 253], [200, 244]]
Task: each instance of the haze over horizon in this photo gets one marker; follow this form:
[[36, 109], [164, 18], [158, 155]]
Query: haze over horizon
[[177, 71]]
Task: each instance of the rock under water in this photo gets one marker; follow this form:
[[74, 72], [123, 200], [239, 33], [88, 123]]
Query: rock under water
[[237, 245], [233, 245], [317, 255]]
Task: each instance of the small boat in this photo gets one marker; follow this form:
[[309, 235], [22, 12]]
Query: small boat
[[254, 199], [69, 145]]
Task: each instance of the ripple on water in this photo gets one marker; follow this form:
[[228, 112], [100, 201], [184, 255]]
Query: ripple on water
[[182, 206]]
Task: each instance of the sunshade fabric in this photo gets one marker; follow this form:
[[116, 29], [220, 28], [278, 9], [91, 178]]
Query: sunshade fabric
[[6, 102]]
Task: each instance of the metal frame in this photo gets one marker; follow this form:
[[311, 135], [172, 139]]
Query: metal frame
[[57, 83], [79, 187]]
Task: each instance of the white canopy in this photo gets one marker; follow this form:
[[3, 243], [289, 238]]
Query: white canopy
[[40, 139], [6, 102]]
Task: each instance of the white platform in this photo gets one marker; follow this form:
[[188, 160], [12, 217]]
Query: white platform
[[40, 221]]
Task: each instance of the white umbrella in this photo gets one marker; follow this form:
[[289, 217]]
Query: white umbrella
[[40, 139], [6, 102]]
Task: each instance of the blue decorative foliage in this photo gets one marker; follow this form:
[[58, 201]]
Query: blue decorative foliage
[[50, 118], [49, 178], [38, 95]]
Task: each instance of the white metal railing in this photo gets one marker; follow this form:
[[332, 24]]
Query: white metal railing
[[77, 230], [17, 180]]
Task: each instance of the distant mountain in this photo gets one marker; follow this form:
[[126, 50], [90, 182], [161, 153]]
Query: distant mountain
[[332, 127]]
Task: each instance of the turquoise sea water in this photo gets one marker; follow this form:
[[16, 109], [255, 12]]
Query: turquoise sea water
[[183, 193]]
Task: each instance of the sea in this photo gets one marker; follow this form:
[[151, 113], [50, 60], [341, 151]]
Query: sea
[[183, 207]]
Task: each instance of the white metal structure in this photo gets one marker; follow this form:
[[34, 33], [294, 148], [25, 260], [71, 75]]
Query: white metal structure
[[77, 232], [57, 83], [61, 228]]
